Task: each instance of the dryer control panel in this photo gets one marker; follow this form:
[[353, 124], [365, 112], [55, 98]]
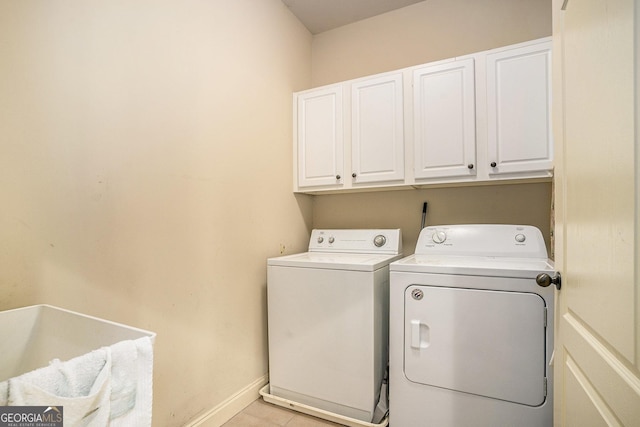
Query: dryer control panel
[[498, 240], [378, 241]]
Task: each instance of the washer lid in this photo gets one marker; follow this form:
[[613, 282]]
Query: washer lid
[[474, 265], [334, 261]]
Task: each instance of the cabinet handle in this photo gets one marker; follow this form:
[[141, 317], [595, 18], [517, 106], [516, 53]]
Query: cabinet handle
[[353, 175], [338, 177], [470, 165], [493, 164]]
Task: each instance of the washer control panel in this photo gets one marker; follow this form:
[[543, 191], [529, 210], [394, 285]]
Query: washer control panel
[[439, 236], [380, 240], [482, 240], [383, 241]]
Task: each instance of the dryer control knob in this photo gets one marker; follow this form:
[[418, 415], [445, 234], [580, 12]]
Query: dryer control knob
[[320, 239], [379, 240], [439, 236]]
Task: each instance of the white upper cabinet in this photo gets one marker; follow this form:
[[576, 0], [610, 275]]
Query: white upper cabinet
[[320, 138], [377, 130], [519, 109], [444, 120], [365, 131], [481, 118]]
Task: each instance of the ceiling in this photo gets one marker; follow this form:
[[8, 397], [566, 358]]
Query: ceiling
[[323, 15]]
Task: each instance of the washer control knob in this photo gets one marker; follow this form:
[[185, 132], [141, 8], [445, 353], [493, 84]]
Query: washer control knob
[[439, 236], [320, 239], [332, 239], [379, 240], [520, 238]]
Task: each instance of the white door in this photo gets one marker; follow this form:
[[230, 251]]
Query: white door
[[320, 137], [444, 120], [377, 134], [596, 183], [519, 109]]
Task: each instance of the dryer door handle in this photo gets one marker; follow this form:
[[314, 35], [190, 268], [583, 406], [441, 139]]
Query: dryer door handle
[[420, 336]]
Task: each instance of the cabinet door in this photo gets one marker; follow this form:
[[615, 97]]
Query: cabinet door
[[519, 109], [320, 137], [444, 120], [377, 136]]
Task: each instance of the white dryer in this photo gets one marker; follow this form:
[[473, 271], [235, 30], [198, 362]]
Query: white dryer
[[328, 322], [471, 331]]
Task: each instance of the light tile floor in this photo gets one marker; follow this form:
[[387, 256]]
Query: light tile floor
[[263, 414]]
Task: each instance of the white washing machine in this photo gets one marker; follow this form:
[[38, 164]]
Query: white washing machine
[[471, 331], [328, 321]]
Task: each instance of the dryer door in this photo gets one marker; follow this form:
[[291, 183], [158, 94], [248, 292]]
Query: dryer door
[[484, 342]]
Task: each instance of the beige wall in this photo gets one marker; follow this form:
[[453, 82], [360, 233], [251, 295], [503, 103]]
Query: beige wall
[[145, 175], [424, 32], [427, 31], [488, 204]]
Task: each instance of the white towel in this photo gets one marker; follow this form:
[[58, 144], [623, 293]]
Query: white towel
[[111, 386], [132, 383], [81, 385]]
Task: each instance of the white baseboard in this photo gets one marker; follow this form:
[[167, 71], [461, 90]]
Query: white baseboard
[[223, 412]]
